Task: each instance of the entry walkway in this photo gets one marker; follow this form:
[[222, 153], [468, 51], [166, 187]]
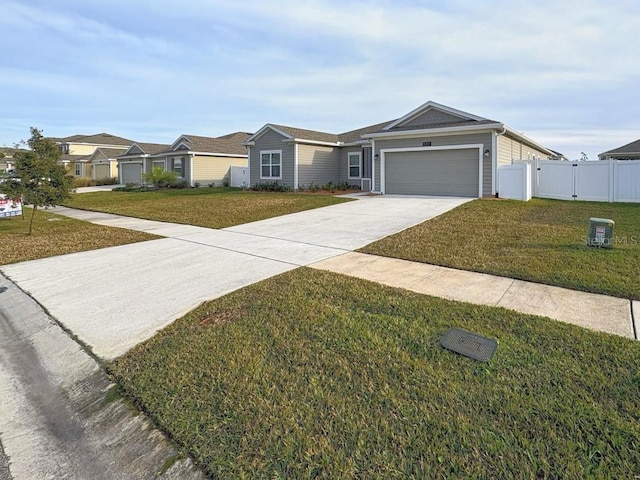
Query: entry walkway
[[596, 312]]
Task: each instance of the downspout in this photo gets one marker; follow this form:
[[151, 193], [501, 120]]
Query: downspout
[[494, 158], [373, 164], [295, 166], [191, 169], [249, 164]]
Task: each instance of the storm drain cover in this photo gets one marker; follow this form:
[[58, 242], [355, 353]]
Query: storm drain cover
[[469, 344]]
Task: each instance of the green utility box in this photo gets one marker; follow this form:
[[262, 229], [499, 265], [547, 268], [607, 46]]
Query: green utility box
[[600, 233]]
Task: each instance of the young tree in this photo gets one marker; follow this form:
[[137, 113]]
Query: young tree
[[38, 177]]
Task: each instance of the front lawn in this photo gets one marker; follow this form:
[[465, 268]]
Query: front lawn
[[316, 375], [205, 207], [57, 235], [540, 240]]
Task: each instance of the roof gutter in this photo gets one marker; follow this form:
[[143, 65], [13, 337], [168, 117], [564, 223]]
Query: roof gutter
[[312, 142], [433, 131]]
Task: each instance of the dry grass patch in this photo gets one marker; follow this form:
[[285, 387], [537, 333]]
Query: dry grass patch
[[205, 207], [540, 240], [57, 235]]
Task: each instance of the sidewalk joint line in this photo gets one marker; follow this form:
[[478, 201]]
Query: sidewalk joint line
[[246, 253], [505, 292], [633, 321]]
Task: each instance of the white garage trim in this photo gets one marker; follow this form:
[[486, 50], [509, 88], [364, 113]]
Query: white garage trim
[[384, 151]]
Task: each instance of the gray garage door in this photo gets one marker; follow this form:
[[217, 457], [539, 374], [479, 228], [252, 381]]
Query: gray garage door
[[435, 172], [130, 172]]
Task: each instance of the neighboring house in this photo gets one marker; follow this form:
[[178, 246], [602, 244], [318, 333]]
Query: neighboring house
[[7, 163], [432, 150], [138, 160], [196, 159], [630, 151], [103, 163], [77, 152]]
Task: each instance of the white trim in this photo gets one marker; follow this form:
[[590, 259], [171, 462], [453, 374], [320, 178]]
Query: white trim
[[260, 164], [479, 146], [494, 162], [263, 130], [191, 170], [373, 165], [425, 132], [359, 155], [213, 154], [312, 142], [295, 166], [179, 141], [249, 163], [428, 106]]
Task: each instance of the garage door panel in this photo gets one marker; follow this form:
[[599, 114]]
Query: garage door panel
[[131, 172], [101, 171], [440, 172]]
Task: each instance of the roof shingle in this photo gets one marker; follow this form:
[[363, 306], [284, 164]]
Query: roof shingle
[[632, 148]]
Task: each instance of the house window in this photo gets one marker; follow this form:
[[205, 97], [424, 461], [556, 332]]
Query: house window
[[77, 169], [177, 165], [271, 164], [355, 165]]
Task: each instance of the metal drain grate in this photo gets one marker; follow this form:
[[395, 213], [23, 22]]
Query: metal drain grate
[[469, 344]]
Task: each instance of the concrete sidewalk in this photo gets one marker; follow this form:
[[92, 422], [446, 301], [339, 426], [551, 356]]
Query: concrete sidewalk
[[589, 310]]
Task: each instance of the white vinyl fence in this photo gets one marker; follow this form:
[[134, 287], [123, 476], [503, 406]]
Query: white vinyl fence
[[599, 181], [239, 176], [514, 181]]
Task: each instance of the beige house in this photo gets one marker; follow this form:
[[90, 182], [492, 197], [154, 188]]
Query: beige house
[[196, 159], [6, 160], [79, 153]]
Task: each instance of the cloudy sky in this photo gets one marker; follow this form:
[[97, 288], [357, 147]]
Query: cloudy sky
[[566, 73]]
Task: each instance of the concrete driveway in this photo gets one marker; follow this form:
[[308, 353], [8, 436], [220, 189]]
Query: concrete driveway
[[115, 298]]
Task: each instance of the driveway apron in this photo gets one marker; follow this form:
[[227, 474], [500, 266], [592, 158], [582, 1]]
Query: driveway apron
[[117, 297]]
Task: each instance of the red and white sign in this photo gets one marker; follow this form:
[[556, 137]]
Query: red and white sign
[[10, 207]]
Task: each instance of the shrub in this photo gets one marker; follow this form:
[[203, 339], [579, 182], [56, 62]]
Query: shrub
[[160, 177], [83, 182], [271, 187], [107, 181]]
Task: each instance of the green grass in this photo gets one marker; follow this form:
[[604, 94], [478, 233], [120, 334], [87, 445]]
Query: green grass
[[57, 235], [317, 375], [205, 207], [540, 240]]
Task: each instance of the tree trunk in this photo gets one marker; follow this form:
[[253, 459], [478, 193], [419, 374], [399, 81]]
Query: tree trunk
[[33, 213]]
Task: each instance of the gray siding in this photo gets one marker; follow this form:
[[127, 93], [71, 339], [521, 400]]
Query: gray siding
[[432, 117], [271, 140], [510, 149], [317, 164], [344, 166], [476, 138]]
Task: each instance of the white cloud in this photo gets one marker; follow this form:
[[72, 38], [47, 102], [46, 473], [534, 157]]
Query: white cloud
[[549, 68]]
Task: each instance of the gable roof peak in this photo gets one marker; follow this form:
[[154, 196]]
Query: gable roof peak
[[431, 105]]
